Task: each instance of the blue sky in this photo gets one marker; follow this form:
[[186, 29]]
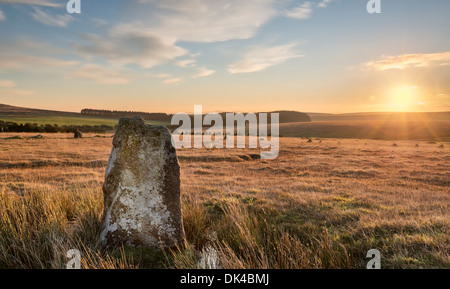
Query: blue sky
[[260, 55]]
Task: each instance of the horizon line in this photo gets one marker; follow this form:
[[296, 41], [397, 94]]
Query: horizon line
[[277, 110]]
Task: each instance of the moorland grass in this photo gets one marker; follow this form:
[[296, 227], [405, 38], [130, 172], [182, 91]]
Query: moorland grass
[[319, 205]]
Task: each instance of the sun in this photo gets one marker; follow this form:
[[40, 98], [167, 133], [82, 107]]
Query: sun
[[403, 98]]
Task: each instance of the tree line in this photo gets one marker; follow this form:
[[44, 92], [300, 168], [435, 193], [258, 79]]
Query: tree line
[[52, 128], [161, 117], [285, 116]]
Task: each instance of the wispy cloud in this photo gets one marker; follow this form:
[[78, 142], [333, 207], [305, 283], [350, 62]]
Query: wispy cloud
[[99, 22], [19, 61], [25, 55], [163, 75], [2, 16], [203, 72], [261, 58], [324, 3], [303, 11], [129, 44], [51, 20], [26, 44], [186, 63], [100, 74], [167, 78], [7, 84], [205, 20], [408, 61], [173, 80], [16, 92], [8, 88], [33, 2], [195, 55]]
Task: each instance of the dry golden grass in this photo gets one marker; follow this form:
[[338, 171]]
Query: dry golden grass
[[319, 205]]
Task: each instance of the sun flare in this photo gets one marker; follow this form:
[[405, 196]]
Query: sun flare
[[403, 98]]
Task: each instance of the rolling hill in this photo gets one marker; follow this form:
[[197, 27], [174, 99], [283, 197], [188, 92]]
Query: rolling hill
[[433, 126], [12, 111], [381, 116], [24, 115]]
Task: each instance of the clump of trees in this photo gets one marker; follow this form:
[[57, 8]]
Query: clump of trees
[[161, 117], [52, 128]]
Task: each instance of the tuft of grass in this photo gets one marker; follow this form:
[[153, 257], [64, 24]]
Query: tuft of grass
[[38, 229], [243, 239]]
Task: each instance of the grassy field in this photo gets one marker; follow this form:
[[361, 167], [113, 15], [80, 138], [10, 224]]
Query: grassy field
[[431, 130], [66, 120], [319, 205], [60, 120]]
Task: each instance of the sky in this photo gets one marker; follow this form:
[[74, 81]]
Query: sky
[[328, 56]]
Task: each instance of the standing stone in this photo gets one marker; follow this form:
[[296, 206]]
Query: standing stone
[[142, 188], [78, 134]]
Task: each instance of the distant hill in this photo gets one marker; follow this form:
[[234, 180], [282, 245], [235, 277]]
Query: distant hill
[[433, 126], [375, 130], [383, 125], [285, 116], [24, 115], [381, 116], [9, 110], [293, 116]]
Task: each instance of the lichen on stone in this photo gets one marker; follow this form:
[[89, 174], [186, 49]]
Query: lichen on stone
[[142, 188]]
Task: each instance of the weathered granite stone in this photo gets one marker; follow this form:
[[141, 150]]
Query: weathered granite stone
[[142, 188]]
